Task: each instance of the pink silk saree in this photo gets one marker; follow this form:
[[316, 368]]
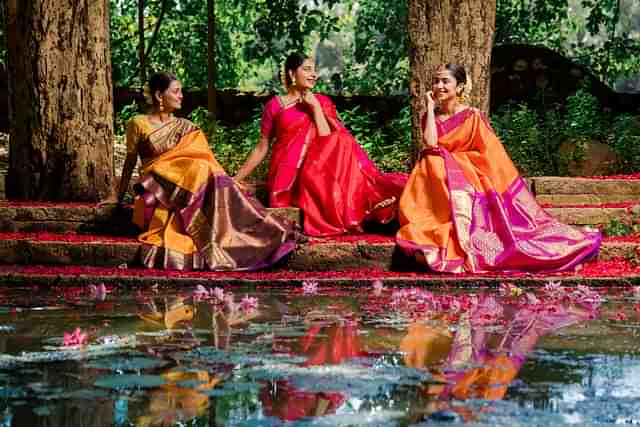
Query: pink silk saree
[[466, 209], [330, 178]]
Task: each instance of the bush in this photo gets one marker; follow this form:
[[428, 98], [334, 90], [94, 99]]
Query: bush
[[232, 146], [123, 116]]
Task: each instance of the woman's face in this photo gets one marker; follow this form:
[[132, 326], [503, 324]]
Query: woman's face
[[304, 77], [172, 97], [444, 86]]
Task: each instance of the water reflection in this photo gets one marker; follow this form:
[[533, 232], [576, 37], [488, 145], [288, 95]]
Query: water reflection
[[403, 356]]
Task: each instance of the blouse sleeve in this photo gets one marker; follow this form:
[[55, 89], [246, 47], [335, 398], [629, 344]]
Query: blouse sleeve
[[268, 116], [134, 134], [328, 106]]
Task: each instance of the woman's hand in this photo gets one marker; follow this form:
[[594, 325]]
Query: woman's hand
[[431, 103], [310, 99]]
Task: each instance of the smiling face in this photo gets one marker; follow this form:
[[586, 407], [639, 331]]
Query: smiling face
[[304, 77], [171, 97], [444, 86]]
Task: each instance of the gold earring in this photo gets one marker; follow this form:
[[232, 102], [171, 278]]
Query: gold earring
[[161, 105]]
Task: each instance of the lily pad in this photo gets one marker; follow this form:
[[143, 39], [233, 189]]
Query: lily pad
[[120, 382], [127, 363]]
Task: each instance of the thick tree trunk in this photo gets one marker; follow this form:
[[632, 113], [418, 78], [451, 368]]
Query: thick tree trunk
[[60, 96], [442, 31]]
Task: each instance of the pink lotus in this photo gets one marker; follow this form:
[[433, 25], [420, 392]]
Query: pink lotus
[[309, 287], [378, 287], [75, 338], [249, 304], [98, 293]]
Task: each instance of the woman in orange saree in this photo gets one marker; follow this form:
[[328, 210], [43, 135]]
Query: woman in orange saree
[[193, 214], [466, 208], [316, 164]]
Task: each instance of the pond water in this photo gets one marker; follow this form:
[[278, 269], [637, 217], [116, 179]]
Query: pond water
[[318, 356]]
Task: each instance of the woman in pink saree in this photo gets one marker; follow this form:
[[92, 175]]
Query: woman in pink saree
[[316, 164], [466, 208]]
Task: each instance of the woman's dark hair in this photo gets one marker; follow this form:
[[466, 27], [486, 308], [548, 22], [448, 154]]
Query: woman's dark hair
[[159, 82], [458, 72], [293, 61]]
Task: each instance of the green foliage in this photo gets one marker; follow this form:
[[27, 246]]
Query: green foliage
[[524, 136], [532, 136], [584, 116], [232, 145], [624, 138], [123, 116], [389, 146], [586, 31]]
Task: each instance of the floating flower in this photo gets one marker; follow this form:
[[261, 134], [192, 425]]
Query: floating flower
[[77, 337], [510, 290], [218, 294], [200, 293], [378, 287], [636, 292], [98, 293], [249, 304], [229, 302], [309, 287], [554, 289]]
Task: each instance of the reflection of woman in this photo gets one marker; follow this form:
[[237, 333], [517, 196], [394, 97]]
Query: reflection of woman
[[480, 360], [323, 345], [465, 208], [316, 164], [193, 214]]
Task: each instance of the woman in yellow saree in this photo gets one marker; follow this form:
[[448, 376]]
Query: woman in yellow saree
[[193, 214], [465, 208]]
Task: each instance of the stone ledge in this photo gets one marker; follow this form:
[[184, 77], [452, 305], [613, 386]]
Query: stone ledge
[[587, 216], [142, 278], [317, 257], [85, 218], [566, 185]]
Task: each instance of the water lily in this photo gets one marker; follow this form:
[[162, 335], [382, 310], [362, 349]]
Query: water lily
[[249, 304], [636, 292], [218, 294], [98, 293], [74, 338], [309, 287], [378, 287], [200, 293], [510, 290]]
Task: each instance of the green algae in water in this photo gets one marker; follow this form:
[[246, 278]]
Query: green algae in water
[[122, 382], [124, 364]]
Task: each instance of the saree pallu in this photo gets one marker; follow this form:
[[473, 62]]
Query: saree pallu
[[196, 217], [466, 209], [330, 178]]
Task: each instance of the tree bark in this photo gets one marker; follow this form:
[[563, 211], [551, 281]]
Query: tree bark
[[442, 31], [60, 100]]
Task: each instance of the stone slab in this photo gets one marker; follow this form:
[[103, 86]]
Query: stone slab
[[565, 185], [251, 280], [90, 218], [587, 216], [586, 199], [317, 257]]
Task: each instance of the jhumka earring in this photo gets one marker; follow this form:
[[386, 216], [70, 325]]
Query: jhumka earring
[[161, 105]]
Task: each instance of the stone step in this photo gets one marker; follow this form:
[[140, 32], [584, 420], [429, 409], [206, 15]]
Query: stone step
[[587, 199], [593, 216], [86, 218], [549, 185], [356, 281], [357, 252]]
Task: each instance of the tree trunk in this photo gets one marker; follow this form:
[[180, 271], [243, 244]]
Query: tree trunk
[[61, 100], [442, 31], [211, 55]]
